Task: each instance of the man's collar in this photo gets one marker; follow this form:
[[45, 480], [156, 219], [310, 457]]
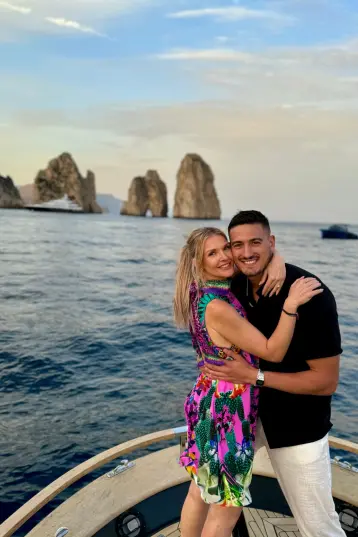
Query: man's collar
[[260, 289], [249, 293], [249, 288]]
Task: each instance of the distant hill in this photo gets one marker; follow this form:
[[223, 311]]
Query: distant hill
[[107, 202], [27, 193]]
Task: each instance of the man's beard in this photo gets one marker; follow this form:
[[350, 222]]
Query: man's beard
[[259, 272]]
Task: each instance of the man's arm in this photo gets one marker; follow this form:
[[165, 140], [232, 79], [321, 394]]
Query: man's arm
[[320, 379]]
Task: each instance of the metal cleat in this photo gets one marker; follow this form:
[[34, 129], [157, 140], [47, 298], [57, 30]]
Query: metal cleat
[[61, 532], [122, 467], [344, 464]]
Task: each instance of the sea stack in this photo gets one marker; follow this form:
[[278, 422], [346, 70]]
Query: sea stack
[[62, 177], [137, 202], [195, 195], [157, 194], [9, 195], [148, 193]]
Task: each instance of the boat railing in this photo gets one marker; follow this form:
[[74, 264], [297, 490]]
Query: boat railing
[[30, 508]]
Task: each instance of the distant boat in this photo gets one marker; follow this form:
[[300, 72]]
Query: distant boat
[[338, 231], [63, 205]]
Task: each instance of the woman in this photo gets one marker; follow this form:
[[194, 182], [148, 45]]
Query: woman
[[221, 416]]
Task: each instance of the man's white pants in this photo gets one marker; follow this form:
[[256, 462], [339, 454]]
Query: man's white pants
[[304, 474]]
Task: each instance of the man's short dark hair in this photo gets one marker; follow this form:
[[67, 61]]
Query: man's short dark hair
[[249, 217]]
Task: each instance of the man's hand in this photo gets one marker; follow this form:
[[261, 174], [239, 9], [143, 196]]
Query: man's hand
[[235, 370], [320, 379]]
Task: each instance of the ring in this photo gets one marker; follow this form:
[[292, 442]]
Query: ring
[[278, 286]]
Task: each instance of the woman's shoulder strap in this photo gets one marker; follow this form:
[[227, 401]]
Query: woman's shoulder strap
[[204, 300]]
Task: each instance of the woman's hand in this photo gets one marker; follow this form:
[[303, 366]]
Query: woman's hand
[[274, 276], [301, 292]]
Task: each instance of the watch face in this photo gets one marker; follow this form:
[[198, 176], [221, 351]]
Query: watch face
[[260, 378]]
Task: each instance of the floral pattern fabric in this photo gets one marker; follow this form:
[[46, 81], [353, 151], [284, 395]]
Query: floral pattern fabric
[[221, 416]]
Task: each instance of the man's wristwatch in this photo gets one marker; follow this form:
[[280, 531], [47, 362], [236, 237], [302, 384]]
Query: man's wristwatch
[[260, 379]]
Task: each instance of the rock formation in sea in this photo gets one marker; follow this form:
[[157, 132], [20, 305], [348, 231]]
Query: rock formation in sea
[[145, 194], [157, 194], [9, 195], [195, 195], [62, 177], [137, 202]]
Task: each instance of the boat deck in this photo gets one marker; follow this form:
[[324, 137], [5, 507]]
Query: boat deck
[[259, 523], [106, 498], [157, 480]]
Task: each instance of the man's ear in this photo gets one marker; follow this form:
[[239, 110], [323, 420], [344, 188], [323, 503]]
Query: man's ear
[[273, 241]]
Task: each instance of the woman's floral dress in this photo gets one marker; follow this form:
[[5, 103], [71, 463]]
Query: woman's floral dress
[[221, 416]]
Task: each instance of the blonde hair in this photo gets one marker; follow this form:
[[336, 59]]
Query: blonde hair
[[190, 270]]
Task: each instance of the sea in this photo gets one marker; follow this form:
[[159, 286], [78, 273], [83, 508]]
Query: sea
[[89, 355]]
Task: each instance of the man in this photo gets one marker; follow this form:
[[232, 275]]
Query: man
[[295, 395]]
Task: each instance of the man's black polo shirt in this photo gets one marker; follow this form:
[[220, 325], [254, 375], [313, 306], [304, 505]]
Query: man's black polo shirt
[[290, 419]]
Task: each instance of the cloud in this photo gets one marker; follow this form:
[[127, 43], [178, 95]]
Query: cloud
[[220, 54], [65, 14], [73, 25], [229, 13], [17, 9], [316, 76], [338, 55], [88, 10], [219, 122], [222, 38]]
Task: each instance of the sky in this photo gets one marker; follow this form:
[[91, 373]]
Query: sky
[[266, 91]]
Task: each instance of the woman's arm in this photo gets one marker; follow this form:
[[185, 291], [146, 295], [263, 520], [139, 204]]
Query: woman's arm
[[225, 320]]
